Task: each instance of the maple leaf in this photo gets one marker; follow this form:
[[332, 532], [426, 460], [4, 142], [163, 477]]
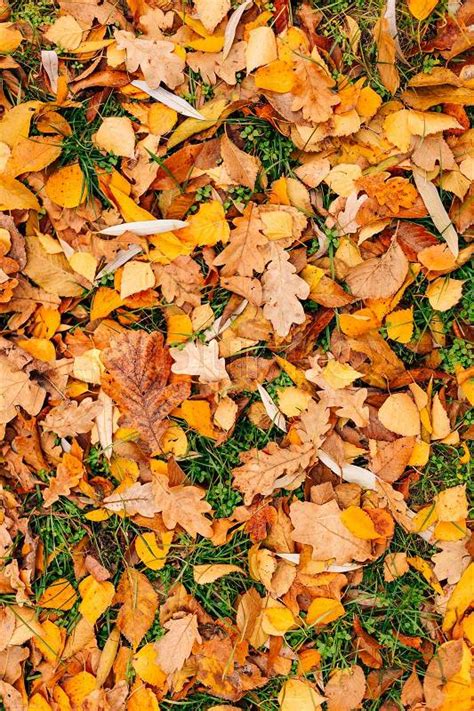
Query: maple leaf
[[244, 254], [312, 90], [138, 370], [264, 471], [176, 645], [320, 526], [156, 58], [139, 603], [71, 418], [282, 289]]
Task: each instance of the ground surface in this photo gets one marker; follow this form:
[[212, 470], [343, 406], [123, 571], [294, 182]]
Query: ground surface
[[149, 490]]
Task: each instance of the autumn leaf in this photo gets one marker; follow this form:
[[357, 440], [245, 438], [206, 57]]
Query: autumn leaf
[[139, 603], [176, 645], [379, 277], [156, 58], [138, 370], [71, 418], [282, 291], [244, 254], [312, 90], [241, 167]]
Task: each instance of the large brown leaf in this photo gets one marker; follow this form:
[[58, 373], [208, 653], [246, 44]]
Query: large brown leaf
[[379, 278], [138, 370], [139, 605]]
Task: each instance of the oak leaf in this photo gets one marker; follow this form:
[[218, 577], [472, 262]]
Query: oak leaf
[[211, 12], [156, 58], [201, 359], [282, 289], [17, 389], [244, 253], [138, 370], [181, 281], [264, 471], [312, 91], [139, 603], [71, 418], [183, 505], [320, 526]]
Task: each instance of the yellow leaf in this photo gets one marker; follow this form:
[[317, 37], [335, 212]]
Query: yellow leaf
[[161, 119], [32, 154], [339, 375], [38, 703], [130, 211], [105, 301], [420, 454], [421, 8], [50, 641], [261, 48], [444, 293], [197, 413], [88, 367], [58, 596], [450, 530], [399, 414], [211, 43], [39, 348], [146, 666], [358, 522], [324, 610], [142, 698], [136, 276], [96, 596], [293, 401], [358, 323], [424, 518], [208, 226], [299, 695], [423, 567], [297, 375], [277, 76], [10, 38], [66, 186], [167, 246], [312, 276], [400, 325], [277, 224], [277, 621], [150, 552], [452, 504], [208, 572], [179, 326], [368, 102], [116, 135], [211, 111], [46, 322], [174, 441], [79, 686], [16, 196], [84, 263], [66, 32]]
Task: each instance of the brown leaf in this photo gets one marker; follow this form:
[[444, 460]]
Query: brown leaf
[[71, 418], [320, 526], [391, 458], [244, 254], [139, 604], [312, 91], [240, 166], [379, 278], [176, 645], [139, 367], [367, 647], [282, 289], [412, 691], [386, 54], [183, 505], [12, 699], [345, 689], [264, 471]]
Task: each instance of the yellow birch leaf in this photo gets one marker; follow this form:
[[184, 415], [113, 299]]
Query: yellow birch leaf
[[78, 687], [462, 597], [96, 596], [444, 293], [40, 348], [67, 186], [400, 325], [197, 413], [179, 326], [174, 441], [46, 322], [60, 595], [421, 8], [10, 38], [293, 401], [142, 698], [339, 375], [84, 263], [423, 567], [146, 666], [277, 621], [161, 119], [136, 276], [323, 610], [130, 211], [399, 414], [299, 695], [16, 196], [38, 703], [50, 641], [358, 522], [211, 111], [277, 76], [152, 554], [208, 572], [208, 226], [105, 301]]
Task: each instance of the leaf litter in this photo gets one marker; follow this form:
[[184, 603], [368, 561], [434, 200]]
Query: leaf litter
[[236, 355]]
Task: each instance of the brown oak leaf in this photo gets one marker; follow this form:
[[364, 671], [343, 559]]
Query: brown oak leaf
[[71, 418], [312, 91], [244, 254], [138, 370]]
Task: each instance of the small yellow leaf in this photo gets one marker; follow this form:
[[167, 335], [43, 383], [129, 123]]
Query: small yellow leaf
[[261, 48], [16, 196], [444, 293], [277, 621], [399, 414], [208, 226], [197, 413], [208, 572], [175, 441], [293, 401], [324, 610], [161, 119], [58, 596], [136, 276], [423, 567], [66, 32], [179, 326], [105, 301], [51, 641], [10, 38], [38, 703], [358, 323], [421, 8], [46, 322], [67, 186], [116, 135], [339, 375], [166, 247], [96, 596], [358, 522], [152, 554], [400, 325], [84, 263], [211, 112], [277, 76], [146, 666], [299, 695], [78, 687], [40, 348]]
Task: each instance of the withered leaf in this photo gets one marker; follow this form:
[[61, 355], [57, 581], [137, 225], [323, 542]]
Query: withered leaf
[[139, 604]]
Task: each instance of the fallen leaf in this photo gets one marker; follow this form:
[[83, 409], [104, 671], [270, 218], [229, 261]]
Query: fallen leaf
[[139, 604]]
